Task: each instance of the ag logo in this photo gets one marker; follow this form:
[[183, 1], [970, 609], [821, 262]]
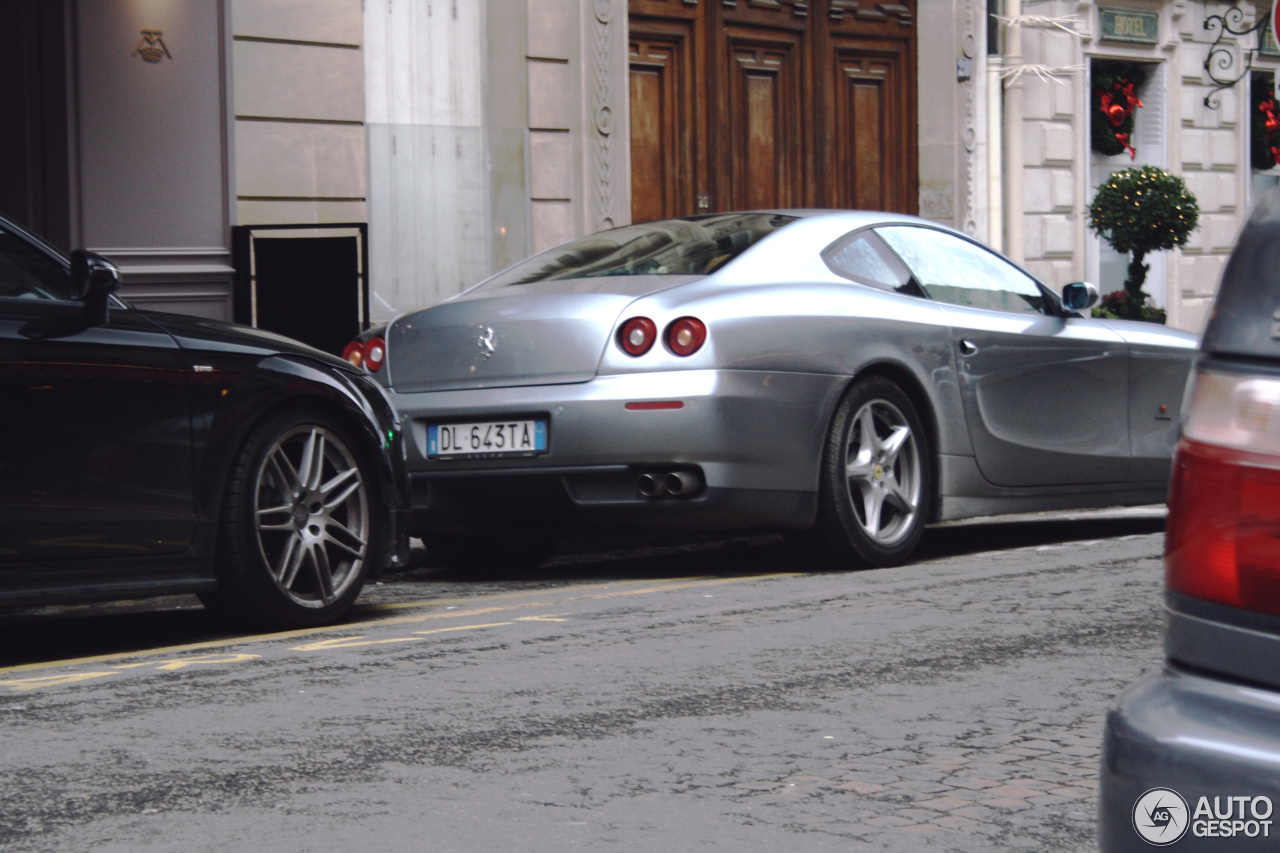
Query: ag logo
[[1160, 816]]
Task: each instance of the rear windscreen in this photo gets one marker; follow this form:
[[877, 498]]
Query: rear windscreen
[[695, 246]]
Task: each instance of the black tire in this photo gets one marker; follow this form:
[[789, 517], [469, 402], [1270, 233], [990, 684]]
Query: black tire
[[876, 484], [499, 553], [300, 524]]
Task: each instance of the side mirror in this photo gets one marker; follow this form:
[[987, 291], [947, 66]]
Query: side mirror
[[95, 278], [1079, 296]]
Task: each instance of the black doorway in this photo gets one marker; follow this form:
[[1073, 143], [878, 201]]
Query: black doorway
[[310, 288]]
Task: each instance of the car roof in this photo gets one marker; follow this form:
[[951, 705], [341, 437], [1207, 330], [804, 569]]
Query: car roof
[[1246, 316]]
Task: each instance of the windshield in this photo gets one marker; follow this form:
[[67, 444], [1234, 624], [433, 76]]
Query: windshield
[[695, 246]]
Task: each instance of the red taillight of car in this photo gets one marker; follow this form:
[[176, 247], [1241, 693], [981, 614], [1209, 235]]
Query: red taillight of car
[[1223, 539], [637, 335], [370, 354], [375, 352], [354, 353], [686, 335]]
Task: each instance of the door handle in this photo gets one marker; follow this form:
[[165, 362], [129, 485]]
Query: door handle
[[968, 347]]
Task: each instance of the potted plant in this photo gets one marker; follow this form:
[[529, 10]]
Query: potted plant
[[1137, 211]]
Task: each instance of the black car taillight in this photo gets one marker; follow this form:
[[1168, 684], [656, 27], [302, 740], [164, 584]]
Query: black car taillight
[[1223, 539]]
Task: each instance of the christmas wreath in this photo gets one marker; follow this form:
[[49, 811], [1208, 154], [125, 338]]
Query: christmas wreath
[[1265, 126], [1115, 86]]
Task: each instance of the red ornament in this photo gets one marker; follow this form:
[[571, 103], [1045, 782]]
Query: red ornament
[[1123, 139], [1118, 105]]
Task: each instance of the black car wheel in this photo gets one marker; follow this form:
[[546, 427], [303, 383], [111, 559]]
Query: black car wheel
[[299, 525], [876, 479]]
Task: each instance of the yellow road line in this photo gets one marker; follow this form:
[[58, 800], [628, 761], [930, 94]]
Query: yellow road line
[[656, 586]]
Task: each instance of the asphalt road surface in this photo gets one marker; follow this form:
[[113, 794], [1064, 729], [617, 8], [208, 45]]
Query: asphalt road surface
[[700, 696]]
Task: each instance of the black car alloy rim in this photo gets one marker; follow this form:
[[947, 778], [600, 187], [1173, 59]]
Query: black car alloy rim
[[311, 509]]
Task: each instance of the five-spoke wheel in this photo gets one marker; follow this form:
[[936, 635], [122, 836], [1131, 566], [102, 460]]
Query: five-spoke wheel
[[876, 477]]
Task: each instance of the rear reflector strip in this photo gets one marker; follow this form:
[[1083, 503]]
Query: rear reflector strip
[[650, 405]]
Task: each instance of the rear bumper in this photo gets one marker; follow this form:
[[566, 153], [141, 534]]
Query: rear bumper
[[1200, 737], [753, 438]]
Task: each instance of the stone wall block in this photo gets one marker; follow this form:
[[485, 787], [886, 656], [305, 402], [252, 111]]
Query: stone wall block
[[1059, 236], [1064, 189], [1192, 103], [553, 91], [328, 21], [1059, 143], [1228, 192], [1037, 102], [552, 28], [551, 165], [1037, 190], [1223, 151], [1195, 149], [552, 223], [1064, 97], [298, 81], [1223, 230], [1059, 48], [300, 160]]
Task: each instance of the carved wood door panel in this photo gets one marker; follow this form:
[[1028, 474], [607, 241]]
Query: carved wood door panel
[[761, 157], [666, 157], [772, 103], [870, 151]]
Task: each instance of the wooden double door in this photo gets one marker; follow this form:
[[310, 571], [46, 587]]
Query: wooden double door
[[741, 104]]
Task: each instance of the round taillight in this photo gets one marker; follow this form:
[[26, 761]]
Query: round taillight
[[375, 351], [354, 353], [686, 335], [637, 335]]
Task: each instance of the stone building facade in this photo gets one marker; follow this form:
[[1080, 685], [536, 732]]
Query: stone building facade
[[468, 134]]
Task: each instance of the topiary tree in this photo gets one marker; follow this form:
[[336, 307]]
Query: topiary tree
[[1137, 211]]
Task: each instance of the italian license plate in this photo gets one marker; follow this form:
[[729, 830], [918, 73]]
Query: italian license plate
[[487, 440]]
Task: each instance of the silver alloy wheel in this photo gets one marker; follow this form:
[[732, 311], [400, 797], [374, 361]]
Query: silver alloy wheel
[[311, 509], [882, 464]]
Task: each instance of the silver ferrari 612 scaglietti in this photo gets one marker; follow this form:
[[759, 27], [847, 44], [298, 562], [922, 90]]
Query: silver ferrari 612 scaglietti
[[855, 375]]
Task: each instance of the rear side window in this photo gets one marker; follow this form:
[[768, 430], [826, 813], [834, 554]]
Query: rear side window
[[696, 246], [863, 258], [28, 273], [957, 271]]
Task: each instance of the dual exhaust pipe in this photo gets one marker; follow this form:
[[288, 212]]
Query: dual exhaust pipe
[[676, 483]]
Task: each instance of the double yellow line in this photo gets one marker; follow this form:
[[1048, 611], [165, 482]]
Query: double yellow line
[[572, 594]]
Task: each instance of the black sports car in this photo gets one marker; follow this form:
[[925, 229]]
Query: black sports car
[[145, 454]]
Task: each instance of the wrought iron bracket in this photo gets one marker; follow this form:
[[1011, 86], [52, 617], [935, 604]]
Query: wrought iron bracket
[[1220, 59]]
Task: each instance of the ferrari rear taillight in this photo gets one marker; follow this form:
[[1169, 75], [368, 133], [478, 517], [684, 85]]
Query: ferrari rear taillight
[[637, 335], [375, 351], [1223, 540], [354, 353], [370, 354], [686, 335]]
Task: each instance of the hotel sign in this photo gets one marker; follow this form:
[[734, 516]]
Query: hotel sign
[[1129, 25], [1267, 42]]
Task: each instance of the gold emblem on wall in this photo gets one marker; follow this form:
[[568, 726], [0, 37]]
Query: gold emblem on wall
[[151, 46]]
